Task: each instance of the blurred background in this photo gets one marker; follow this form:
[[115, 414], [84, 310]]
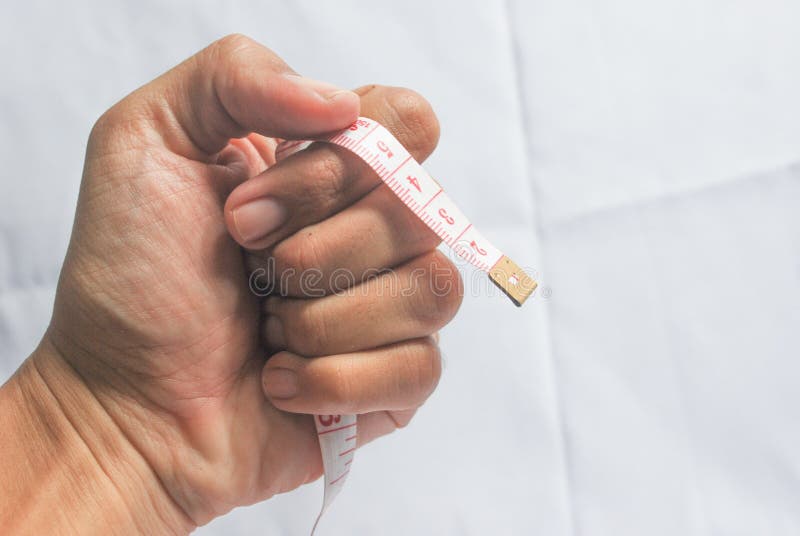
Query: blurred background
[[643, 157]]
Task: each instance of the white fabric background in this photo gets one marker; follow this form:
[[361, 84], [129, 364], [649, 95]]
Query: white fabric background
[[644, 157]]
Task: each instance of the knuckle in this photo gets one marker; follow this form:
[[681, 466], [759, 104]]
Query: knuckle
[[313, 325], [308, 253], [424, 369], [101, 133], [340, 389], [328, 173], [227, 59], [232, 45], [125, 126], [440, 294], [449, 289], [302, 254], [361, 91], [231, 61], [238, 53], [416, 116], [102, 126]]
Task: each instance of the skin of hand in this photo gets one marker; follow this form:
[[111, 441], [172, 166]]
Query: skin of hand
[[150, 405]]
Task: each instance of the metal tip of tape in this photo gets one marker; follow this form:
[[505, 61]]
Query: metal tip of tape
[[512, 280]]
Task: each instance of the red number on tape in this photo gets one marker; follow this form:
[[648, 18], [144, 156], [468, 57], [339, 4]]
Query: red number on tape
[[476, 248], [385, 148], [327, 420], [446, 217]]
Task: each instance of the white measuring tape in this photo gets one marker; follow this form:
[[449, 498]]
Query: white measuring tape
[[374, 144]]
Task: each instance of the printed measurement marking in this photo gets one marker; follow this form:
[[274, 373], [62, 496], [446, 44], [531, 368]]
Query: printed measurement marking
[[364, 137], [334, 481], [398, 167], [337, 429], [432, 198], [462, 232]]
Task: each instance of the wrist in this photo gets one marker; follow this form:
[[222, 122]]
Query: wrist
[[66, 467]]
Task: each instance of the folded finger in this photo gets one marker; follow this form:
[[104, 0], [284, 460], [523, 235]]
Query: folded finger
[[394, 377], [376, 233], [414, 300], [313, 184]]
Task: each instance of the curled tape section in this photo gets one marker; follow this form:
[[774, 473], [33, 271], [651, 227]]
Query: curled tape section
[[426, 198]]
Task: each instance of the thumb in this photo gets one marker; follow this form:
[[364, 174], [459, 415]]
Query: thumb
[[231, 88]]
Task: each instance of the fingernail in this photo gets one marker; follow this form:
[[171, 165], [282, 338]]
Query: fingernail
[[258, 218], [275, 333], [280, 383], [323, 89]]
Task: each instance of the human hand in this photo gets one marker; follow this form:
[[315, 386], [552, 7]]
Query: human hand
[[153, 360]]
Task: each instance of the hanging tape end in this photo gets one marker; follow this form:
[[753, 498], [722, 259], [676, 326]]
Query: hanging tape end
[[512, 280]]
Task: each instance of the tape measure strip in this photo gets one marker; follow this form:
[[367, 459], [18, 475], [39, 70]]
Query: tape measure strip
[[420, 192], [337, 441], [426, 198]]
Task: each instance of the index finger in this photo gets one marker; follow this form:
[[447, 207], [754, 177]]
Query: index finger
[[316, 183]]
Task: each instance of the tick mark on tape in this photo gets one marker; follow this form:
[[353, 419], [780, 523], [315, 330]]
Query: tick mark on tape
[[364, 137], [337, 429], [337, 479], [432, 198], [462, 232], [348, 451]]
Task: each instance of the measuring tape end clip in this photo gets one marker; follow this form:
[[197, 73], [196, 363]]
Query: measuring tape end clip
[[512, 280]]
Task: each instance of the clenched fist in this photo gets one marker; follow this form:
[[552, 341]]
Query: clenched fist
[[211, 299]]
